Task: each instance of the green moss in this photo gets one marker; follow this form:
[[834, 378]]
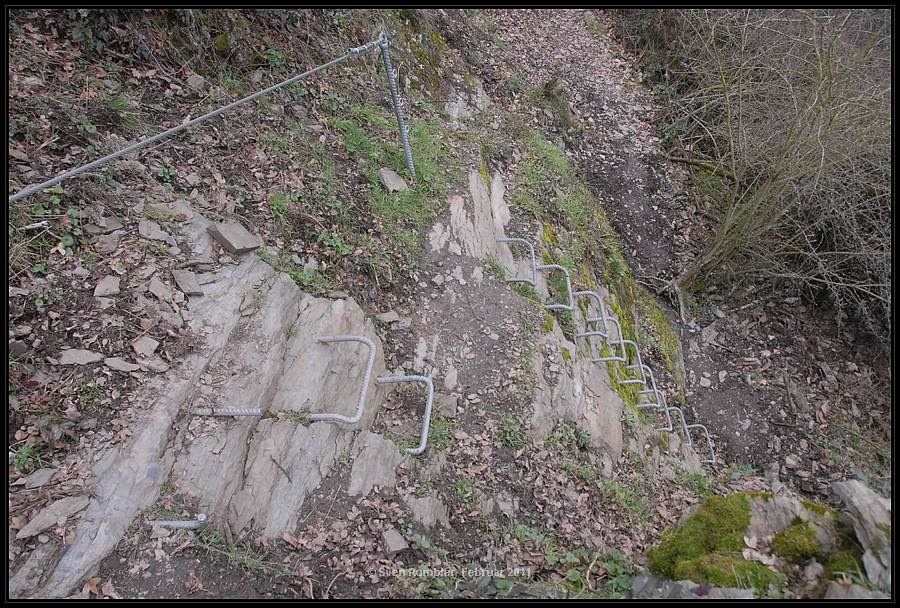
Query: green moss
[[566, 355], [841, 562], [718, 526], [765, 496], [818, 508], [886, 529], [549, 236], [798, 542], [728, 571], [549, 322]]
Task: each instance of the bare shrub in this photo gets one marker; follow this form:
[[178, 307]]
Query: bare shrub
[[785, 114]]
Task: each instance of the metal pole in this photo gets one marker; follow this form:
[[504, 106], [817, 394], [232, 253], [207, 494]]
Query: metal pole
[[385, 45]]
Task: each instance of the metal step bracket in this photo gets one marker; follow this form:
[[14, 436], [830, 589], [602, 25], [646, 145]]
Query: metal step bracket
[[426, 423]]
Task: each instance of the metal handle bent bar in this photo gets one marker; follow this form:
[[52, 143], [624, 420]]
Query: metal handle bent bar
[[596, 296], [423, 437], [637, 366], [533, 280], [709, 442], [570, 306], [361, 401], [684, 427]]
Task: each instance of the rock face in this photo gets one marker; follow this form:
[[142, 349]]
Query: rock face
[[248, 472], [655, 588], [476, 224], [375, 464], [871, 516], [232, 466], [107, 286], [428, 510], [578, 392]]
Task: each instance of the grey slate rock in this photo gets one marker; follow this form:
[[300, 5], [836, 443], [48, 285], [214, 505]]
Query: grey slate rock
[[187, 282], [234, 237]]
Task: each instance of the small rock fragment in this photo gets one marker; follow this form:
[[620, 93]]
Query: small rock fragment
[[155, 364], [187, 282], [39, 478], [388, 317], [151, 230], [234, 237], [107, 286], [446, 405], [18, 347], [394, 542], [120, 365], [391, 180], [160, 290], [59, 510], [195, 82], [145, 346], [77, 356], [705, 382]]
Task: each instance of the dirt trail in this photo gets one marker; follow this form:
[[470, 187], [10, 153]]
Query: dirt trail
[[762, 375]]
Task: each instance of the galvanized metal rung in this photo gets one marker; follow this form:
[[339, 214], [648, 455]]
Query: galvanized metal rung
[[361, 400], [639, 366], [423, 437], [228, 411], [709, 442], [571, 304], [596, 297], [189, 524], [533, 280], [684, 427]]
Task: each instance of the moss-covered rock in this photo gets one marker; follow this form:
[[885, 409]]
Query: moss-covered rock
[[797, 543], [717, 527], [728, 571]]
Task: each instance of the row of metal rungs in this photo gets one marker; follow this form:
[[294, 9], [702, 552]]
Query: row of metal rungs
[[600, 330]]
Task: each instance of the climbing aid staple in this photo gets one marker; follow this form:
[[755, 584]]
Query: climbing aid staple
[[361, 400], [423, 437]]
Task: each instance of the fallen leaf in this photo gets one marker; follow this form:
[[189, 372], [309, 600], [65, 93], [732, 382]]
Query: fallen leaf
[[91, 586]]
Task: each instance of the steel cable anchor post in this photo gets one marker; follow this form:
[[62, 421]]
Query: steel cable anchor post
[[385, 44]]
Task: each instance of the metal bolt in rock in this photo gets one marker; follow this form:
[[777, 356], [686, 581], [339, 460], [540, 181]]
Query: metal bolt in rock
[[709, 442], [189, 524], [571, 305], [385, 45], [361, 400], [533, 280], [423, 437]]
